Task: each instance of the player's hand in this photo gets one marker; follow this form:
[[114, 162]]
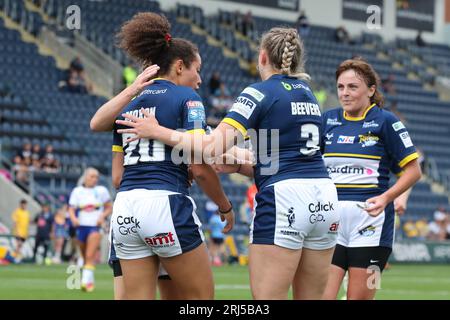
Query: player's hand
[[100, 221], [229, 217], [376, 205], [75, 222], [143, 80], [225, 168], [140, 127], [400, 206]]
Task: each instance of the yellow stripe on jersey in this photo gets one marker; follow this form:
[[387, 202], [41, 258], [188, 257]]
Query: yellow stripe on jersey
[[350, 118], [236, 125], [356, 185], [408, 159], [201, 131], [351, 155], [117, 149]]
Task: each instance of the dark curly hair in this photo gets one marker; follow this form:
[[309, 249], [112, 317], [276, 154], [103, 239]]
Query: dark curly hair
[[146, 38]]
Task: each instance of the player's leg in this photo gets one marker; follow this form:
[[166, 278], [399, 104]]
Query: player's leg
[[312, 274], [276, 242], [92, 243], [119, 287], [272, 270], [364, 275], [139, 277], [319, 220], [168, 290], [338, 268], [191, 273]]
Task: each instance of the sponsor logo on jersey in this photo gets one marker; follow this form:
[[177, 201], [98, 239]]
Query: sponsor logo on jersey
[[333, 122], [300, 86], [194, 104], [317, 207], [334, 227], [305, 108], [350, 170], [367, 231], [316, 217], [148, 91], [244, 106], [346, 139], [398, 126], [160, 240], [128, 225], [368, 140], [370, 124], [287, 86], [291, 216], [289, 233], [406, 139], [258, 95]]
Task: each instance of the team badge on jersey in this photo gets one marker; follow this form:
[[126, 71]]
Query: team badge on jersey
[[328, 138], [196, 111], [367, 231], [368, 140]]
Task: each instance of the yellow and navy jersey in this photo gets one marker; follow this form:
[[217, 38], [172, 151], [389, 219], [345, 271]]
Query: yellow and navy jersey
[[148, 164], [283, 106], [361, 152]]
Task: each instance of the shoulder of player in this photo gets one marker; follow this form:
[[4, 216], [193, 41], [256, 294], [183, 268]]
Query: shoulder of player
[[258, 91], [332, 113], [389, 118]]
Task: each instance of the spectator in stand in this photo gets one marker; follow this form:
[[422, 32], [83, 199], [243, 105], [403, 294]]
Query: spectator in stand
[[419, 40], [302, 24], [410, 229], [26, 151], [36, 157], [220, 104], [438, 230], [21, 219], [76, 64], [248, 24], [20, 170], [49, 161], [388, 86], [341, 35], [76, 81], [422, 229], [214, 83], [44, 222]]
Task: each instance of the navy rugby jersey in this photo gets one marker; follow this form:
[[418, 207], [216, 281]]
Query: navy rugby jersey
[[148, 163], [360, 152], [286, 104]]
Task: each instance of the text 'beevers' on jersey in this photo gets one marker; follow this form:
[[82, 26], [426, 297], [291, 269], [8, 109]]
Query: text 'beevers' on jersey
[[305, 108]]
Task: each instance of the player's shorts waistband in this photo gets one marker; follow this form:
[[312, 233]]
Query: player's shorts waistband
[[318, 181], [145, 193]]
